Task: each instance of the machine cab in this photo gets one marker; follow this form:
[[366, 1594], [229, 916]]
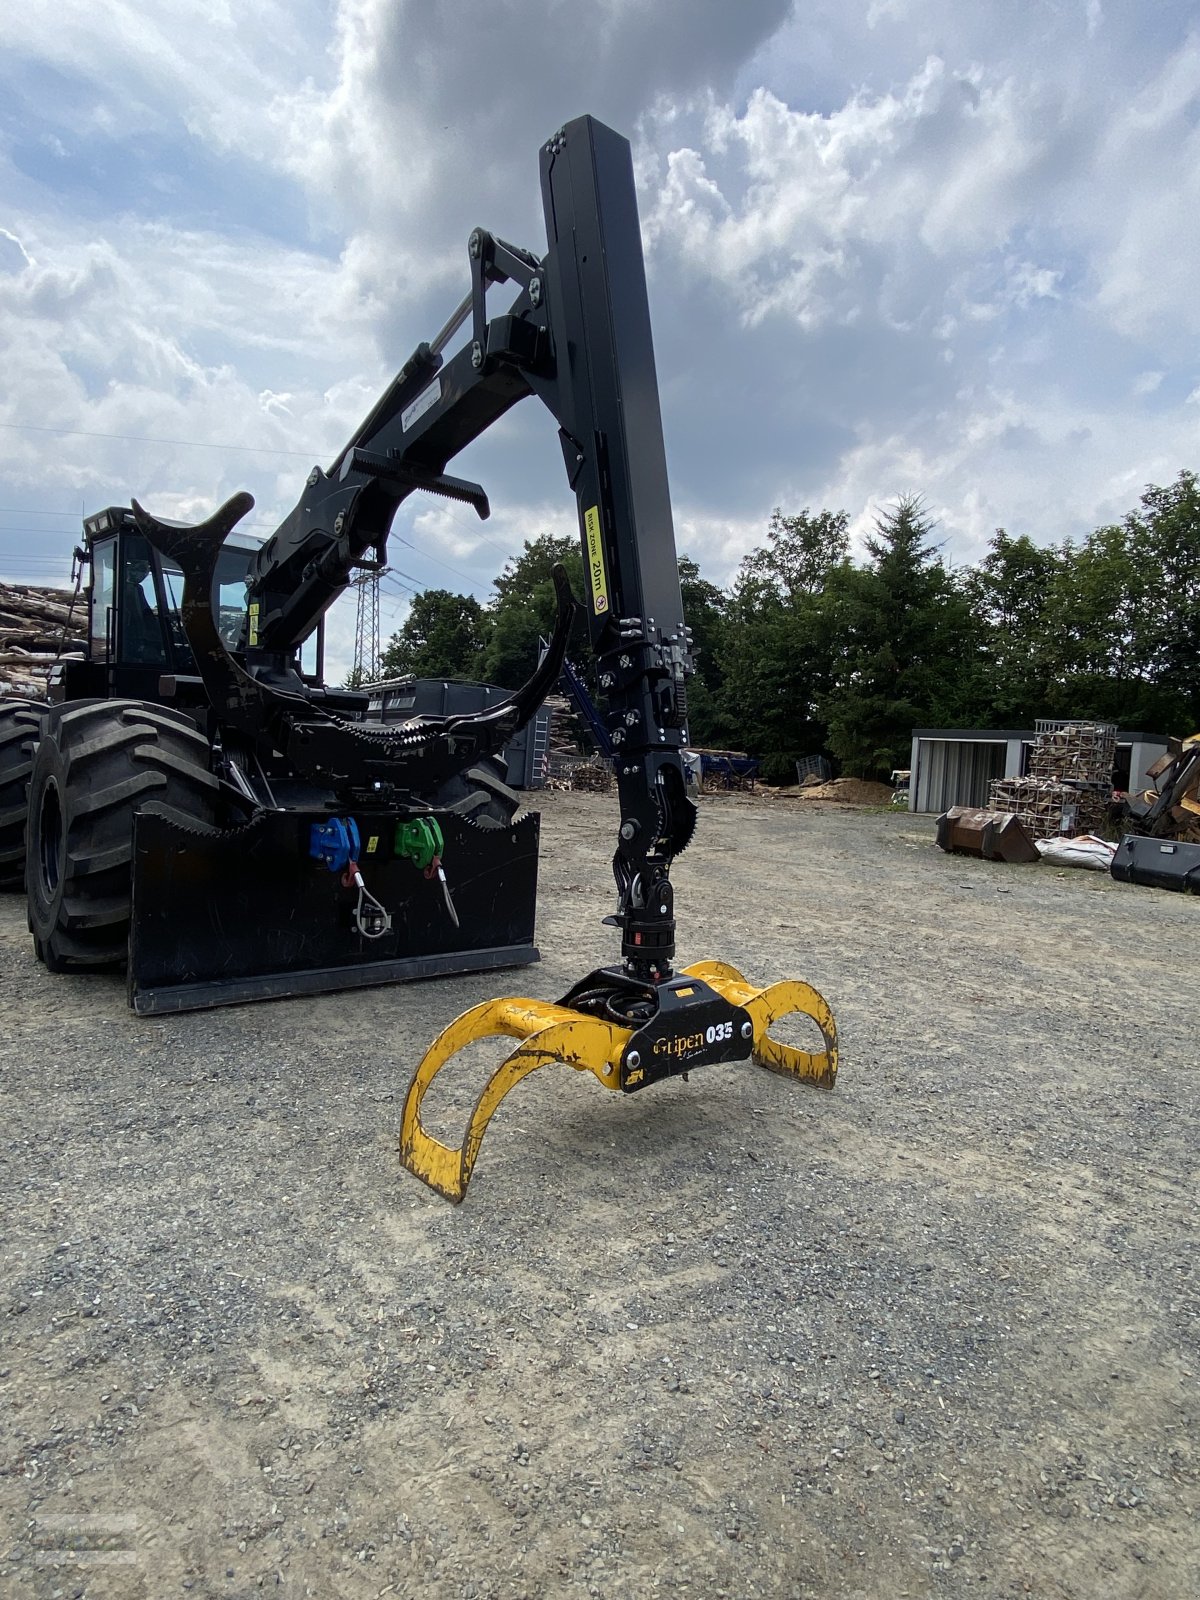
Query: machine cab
[[135, 631]]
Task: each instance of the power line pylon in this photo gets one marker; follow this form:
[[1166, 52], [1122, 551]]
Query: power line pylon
[[366, 626]]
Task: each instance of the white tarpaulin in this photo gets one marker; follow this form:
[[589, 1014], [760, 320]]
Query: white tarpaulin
[[1086, 851]]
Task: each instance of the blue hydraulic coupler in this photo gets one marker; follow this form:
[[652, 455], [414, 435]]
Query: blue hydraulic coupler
[[335, 843]]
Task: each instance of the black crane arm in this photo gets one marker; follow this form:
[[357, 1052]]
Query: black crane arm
[[577, 335]]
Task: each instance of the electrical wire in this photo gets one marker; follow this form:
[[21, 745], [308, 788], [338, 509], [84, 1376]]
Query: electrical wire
[[463, 522], [32, 511], [141, 438], [457, 571]]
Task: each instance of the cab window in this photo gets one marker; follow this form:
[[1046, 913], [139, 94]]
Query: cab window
[[141, 635], [103, 560]]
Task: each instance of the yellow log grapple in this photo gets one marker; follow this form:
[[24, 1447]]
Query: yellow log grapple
[[622, 1055]]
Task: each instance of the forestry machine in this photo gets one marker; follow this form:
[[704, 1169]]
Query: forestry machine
[[206, 810]]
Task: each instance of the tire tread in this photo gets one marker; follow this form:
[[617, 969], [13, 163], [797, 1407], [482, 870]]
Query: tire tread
[[117, 756], [20, 730]]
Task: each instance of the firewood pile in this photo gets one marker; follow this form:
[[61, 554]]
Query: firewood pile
[[726, 769], [566, 766], [1074, 752], [1069, 785], [576, 772], [37, 626], [595, 776], [1049, 809]]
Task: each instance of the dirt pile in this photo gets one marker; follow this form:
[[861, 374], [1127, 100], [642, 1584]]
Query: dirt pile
[[847, 792]]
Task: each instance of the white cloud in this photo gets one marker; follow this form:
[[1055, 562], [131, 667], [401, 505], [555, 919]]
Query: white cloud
[[1142, 209], [946, 249], [214, 70], [992, 463], [825, 212]]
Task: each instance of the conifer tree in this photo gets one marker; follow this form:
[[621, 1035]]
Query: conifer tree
[[910, 637]]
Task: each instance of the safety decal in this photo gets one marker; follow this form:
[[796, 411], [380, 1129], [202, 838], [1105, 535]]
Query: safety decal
[[254, 623], [595, 555], [427, 398]]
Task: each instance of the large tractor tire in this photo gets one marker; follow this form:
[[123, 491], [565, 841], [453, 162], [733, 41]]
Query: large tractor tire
[[20, 730], [480, 795], [98, 762]]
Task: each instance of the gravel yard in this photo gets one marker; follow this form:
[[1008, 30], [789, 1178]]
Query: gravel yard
[[934, 1333]]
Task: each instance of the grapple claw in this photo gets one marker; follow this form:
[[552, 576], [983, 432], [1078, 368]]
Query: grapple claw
[[766, 1006], [549, 1034], [681, 1035]]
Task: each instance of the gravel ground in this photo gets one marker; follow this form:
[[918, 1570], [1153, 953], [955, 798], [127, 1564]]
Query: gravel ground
[[931, 1334]]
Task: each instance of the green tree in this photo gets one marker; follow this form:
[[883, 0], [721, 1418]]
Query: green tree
[[1166, 535], [1010, 594], [523, 610], [779, 656], [1122, 623], [442, 636], [1094, 631], [909, 639], [800, 552], [704, 607]]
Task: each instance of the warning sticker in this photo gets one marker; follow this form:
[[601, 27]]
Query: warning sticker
[[254, 623], [427, 397], [595, 560]]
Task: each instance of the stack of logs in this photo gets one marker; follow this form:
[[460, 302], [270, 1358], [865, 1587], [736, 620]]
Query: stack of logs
[[1074, 752], [1069, 786], [37, 626], [595, 775], [567, 767]]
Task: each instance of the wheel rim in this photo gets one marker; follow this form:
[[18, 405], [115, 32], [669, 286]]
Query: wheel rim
[[50, 838]]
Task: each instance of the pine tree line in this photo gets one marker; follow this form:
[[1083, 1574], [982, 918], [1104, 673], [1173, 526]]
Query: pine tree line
[[810, 650]]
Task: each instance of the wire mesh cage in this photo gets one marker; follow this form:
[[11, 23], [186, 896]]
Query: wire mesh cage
[[1047, 808], [817, 767], [1082, 752]]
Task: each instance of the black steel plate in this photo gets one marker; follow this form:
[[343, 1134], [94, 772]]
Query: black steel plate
[[248, 914], [693, 1027]]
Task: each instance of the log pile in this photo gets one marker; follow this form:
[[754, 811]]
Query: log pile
[[1048, 809], [1069, 786], [1074, 752], [594, 775], [37, 626], [725, 769], [566, 766]]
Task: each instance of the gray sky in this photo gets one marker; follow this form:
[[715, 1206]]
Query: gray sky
[[906, 246]]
